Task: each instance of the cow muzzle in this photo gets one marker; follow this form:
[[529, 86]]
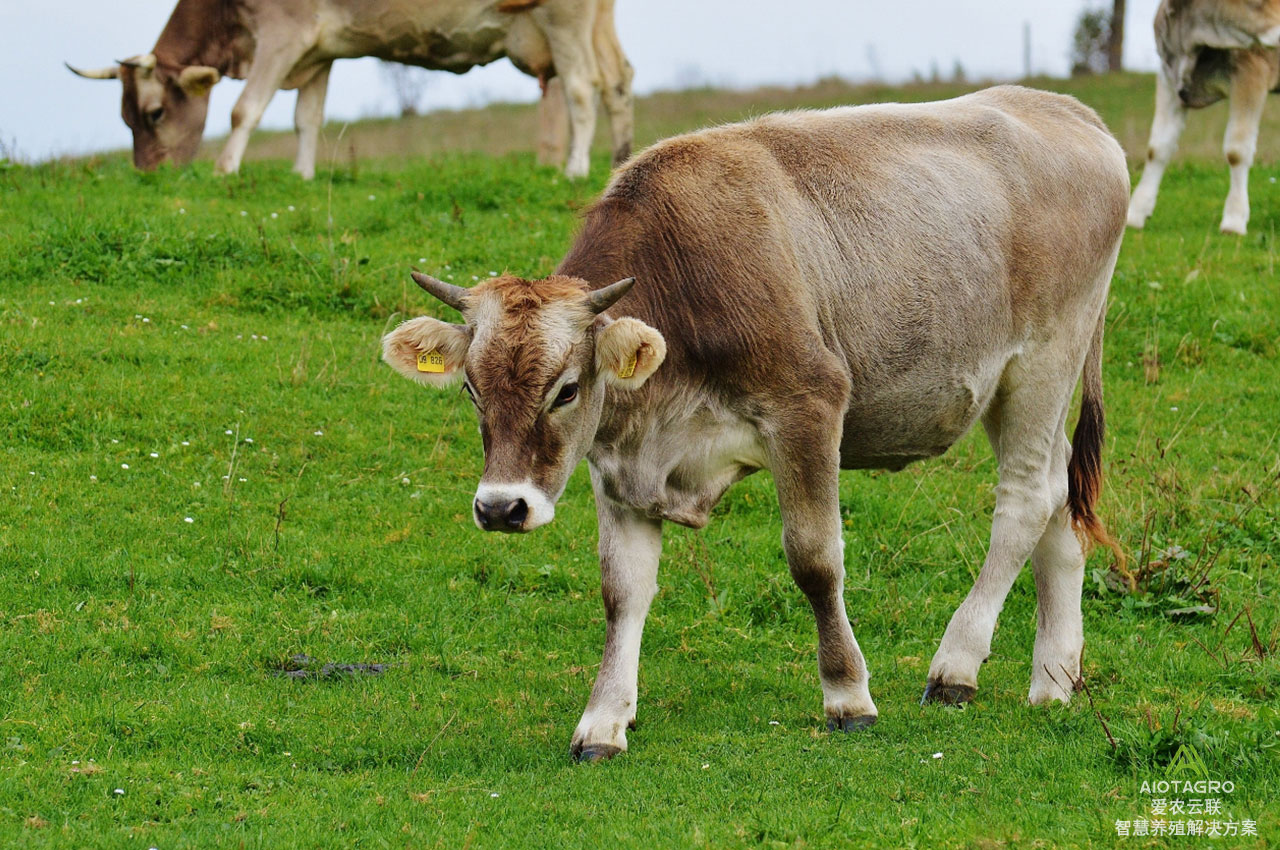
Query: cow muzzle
[[511, 508]]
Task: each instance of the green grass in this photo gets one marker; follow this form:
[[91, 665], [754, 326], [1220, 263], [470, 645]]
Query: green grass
[[139, 650]]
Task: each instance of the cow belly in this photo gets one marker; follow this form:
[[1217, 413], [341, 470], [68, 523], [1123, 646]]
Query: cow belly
[[888, 430]]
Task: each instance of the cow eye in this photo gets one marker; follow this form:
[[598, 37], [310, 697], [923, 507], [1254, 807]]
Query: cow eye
[[567, 394], [155, 115]]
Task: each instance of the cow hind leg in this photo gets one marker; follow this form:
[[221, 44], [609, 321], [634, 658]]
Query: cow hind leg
[[1166, 127], [308, 117], [1023, 424], [805, 459], [1249, 84]]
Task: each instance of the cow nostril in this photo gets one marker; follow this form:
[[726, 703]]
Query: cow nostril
[[517, 513], [482, 514]]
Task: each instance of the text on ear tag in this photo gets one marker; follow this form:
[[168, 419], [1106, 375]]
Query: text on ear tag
[[432, 361], [629, 368]]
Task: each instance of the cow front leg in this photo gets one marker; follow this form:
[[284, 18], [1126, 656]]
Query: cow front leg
[[805, 461], [270, 67], [1249, 84], [570, 40], [308, 117], [1166, 127], [630, 546]]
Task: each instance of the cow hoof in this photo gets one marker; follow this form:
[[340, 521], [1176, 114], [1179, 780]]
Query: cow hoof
[[592, 753], [850, 724], [948, 694]]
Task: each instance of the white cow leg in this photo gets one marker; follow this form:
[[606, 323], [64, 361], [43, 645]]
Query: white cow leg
[[630, 546], [1166, 127], [308, 117], [1021, 429], [1249, 84], [615, 83], [1058, 563], [580, 98], [268, 73], [805, 460]]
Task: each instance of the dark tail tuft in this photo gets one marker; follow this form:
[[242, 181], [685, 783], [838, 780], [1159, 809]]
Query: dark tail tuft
[[1084, 470]]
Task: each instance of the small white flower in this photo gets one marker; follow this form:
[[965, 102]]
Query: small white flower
[[115, 441], [187, 519], [155, 454], [403, 481], [146, 320], [373, 197], [228, 431], [119, 792], [447, 266], [186, 443], [264, 337], [1154, 284], [291, 208], [773, 723], [79, 300], [1174, 409], [244, 479], [51, 304], [30, 473], [275, 215], [473, 277], [93, 478], [248, 439], [318, 433], [423, 261], [253, 336], [494, 794], [195, 483], [937, 755], [244, 212], [182, 210], [493, 274], [124, 466], [706, 767], [226, 478], [185, 328]]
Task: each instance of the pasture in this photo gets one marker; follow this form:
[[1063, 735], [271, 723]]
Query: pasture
[[207, 473]]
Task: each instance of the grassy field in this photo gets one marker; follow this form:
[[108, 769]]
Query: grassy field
[[205, 472]]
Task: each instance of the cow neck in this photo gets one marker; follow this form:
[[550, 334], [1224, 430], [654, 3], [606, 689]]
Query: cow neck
[[199, 32]]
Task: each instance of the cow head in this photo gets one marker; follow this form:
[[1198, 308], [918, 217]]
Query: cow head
[[164, 107], [535, 357]]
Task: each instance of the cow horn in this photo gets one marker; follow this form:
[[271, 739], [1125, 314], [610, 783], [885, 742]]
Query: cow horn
[[144, 62], [602, 299], [110, 72], [446, 292]]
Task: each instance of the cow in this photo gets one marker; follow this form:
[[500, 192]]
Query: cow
[[805, 292], [276, 44], [1210, 50]]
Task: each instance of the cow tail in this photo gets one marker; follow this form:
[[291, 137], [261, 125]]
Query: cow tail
[[1084, 469]]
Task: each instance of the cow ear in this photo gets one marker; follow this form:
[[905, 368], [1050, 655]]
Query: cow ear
[[427, 350], [196, 80], [628, 351]]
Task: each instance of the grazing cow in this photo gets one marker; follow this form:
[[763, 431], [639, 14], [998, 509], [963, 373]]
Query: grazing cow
[[851, 288], [275, 44], [1211, 49]]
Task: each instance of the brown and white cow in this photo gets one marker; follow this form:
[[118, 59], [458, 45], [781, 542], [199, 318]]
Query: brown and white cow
[[275, 44], [852, 288], [1211, 49]]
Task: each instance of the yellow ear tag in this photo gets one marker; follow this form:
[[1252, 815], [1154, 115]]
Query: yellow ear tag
[[629, 368], [432, 361]]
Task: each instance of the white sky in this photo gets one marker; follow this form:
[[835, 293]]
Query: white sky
[[46, 111]]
